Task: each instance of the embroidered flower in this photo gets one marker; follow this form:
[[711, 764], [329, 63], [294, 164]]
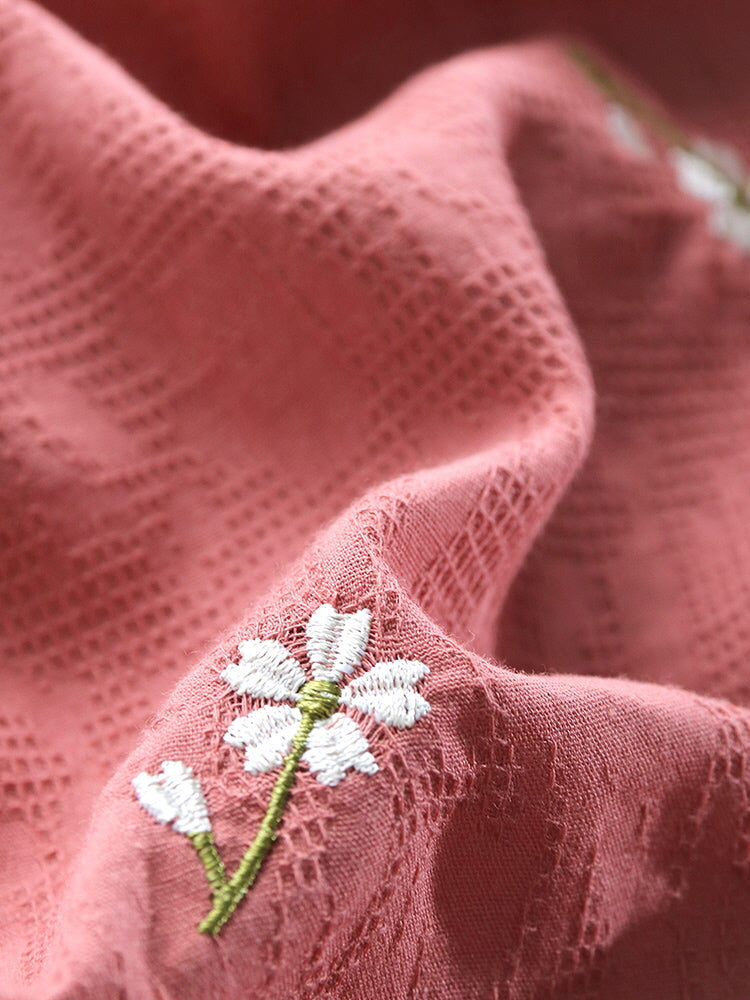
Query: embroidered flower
[[716, 174], [305, 724], [711, 171], [335, 645]]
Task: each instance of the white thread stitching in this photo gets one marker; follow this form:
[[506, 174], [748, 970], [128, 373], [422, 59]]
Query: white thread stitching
[[336, 642], [266, 735], [387, 693], [627, 131], [283, 735], [715, 173], [334, 746], [265, 670], [174, 796]]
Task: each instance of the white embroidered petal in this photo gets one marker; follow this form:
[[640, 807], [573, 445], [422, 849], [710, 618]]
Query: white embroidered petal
[[266, 734], [731, 222], [699, 177], [336, 642], [720, 186], [725, 157], [265, 670], [174, 796], [334, 746], [387, 693], [626, 129]]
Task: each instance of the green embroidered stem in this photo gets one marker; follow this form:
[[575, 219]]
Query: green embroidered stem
[[206, 849], [318, 700]]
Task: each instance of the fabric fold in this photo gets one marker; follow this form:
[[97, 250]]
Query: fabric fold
[[249, 393]]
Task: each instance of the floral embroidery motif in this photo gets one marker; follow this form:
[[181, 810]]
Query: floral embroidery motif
[[174, 796], [712, 172], [627, 131], [306, 725], [716, 174]]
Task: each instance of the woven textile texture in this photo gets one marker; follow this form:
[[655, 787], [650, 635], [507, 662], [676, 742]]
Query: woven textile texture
[[372, 305]]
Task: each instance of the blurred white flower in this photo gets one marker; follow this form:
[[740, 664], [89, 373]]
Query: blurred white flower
[[627, 131], [716, 174]]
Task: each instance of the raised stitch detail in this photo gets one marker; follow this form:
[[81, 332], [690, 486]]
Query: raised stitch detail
[[310, 730]]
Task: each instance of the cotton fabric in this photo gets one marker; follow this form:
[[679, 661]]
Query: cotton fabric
[[329, 310]]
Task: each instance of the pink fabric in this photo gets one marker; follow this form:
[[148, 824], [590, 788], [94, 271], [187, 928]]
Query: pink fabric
[[238, 383]]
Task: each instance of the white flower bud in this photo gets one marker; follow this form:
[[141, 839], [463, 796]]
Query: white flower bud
[[174, 796]]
